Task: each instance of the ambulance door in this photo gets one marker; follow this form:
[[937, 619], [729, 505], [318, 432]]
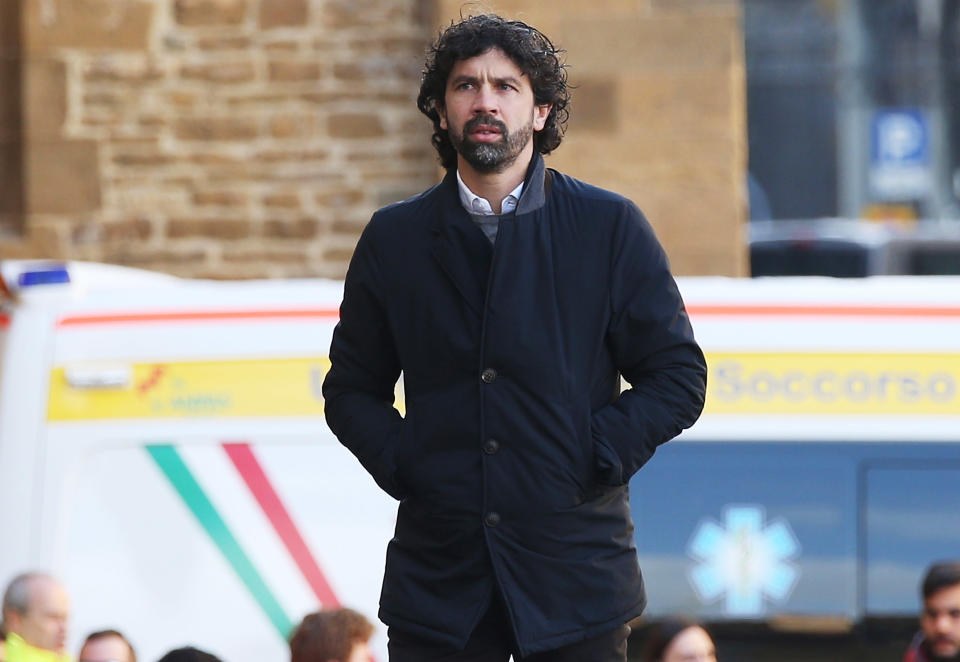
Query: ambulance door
[[222, 541]]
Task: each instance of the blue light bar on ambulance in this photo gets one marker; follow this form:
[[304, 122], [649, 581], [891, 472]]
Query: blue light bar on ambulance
[[50, 274]]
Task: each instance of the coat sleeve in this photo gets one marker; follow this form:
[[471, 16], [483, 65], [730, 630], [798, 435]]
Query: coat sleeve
[[358, 390], [653, 347]]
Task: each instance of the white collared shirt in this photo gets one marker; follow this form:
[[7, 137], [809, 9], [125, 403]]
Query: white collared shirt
[[474, 204]]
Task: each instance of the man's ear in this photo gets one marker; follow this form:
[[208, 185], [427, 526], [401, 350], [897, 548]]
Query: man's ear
[[540, 115], [442, 112], [12, 620]]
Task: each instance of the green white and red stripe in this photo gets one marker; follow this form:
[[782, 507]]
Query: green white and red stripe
[[242, 513]]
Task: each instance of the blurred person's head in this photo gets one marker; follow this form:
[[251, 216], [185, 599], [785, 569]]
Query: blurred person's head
[[189, 654], [940, 619], [36, 608], [678, 640], [332, 635], [107, 646]]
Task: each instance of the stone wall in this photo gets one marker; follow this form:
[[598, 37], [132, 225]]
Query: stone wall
[[246, 138], [11, 182], [217, 138], [658, 114]]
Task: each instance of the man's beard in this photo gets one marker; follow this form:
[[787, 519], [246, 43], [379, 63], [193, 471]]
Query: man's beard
[[491, 157], [933, 657]]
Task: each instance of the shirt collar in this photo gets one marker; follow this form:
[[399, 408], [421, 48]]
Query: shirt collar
[[474, 204]]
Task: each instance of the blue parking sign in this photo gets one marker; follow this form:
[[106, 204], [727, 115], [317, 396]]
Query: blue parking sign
[[900, 153]]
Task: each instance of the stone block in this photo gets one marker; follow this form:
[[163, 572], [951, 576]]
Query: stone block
[[45, 98], [339, 14], [690, 105], [594, 106], [282, 200], [210, 228], [265, 256], [176, 261], [143, 158], [87, 24], [291, 155], [608, 46], [133, 229], [216, 128], [130, 72], [219, 72], [11, 179], [355, 125], [697, 6], [9, 29], [223, 43], [10, 126], [340, 198], [534, 12], [62, 177], [295, 126], [284, 71], [220, 198], [350, 224], [279, 13], [301, 228], [209, 12]]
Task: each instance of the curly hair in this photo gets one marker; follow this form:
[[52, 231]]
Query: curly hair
[[328, 635], [530, 50]]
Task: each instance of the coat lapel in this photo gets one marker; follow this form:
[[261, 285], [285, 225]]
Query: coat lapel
[[460, 247], [455, 246]]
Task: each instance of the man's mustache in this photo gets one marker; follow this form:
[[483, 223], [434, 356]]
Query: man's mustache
[[485, 120]]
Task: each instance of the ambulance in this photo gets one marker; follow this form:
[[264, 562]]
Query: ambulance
[[163, 451]]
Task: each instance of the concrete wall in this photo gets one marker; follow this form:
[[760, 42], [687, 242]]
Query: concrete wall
[[246, 138]]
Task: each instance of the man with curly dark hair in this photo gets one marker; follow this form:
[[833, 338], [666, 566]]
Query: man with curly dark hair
[[332, 635], [512, 298]]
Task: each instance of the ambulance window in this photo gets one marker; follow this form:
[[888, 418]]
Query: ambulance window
[[747, 530], [912, 519], [840, 259], [935, 260]]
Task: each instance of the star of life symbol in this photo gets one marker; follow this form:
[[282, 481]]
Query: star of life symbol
[[744, 559]]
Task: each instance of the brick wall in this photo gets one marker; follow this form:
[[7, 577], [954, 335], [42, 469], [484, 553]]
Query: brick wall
[[245, 138]]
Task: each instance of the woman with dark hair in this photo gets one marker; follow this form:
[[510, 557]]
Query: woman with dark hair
[[678, 640]]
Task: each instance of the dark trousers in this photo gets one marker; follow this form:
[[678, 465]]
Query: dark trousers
[[493, 641]]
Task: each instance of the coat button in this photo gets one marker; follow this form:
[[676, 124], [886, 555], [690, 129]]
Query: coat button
[[488, 375], [492, 519], [491, 446]]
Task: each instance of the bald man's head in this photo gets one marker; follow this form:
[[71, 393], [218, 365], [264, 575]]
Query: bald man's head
[[36, 607]]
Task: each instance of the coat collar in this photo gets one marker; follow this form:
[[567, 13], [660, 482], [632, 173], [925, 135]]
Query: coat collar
[[535, 190], [451, 219]]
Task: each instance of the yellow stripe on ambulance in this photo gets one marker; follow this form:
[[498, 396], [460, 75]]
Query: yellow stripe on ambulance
[[833, 383]]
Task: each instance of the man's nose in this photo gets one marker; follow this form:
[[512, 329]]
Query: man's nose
[[485, 101]]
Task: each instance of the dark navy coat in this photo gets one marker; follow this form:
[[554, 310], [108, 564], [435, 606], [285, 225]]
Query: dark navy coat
[[512, 461]]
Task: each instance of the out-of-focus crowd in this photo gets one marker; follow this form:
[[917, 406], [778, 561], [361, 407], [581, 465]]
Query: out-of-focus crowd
[[36, 611]]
